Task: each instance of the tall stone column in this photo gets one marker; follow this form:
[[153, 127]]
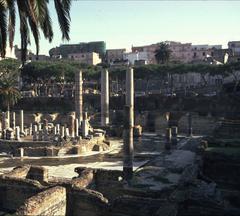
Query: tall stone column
[[13, 121], [76, 128], [58, 128], [174, 135], [104, 98], [17, 133], [168, 138], [78, 96], [8, 119], [4, 126], [128, 126], [85, 126], [189, 124], [72, 126], [21, 122], [45, 133], [35, 132], [62, 131]]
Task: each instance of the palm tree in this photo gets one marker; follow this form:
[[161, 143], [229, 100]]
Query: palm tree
[[34, 16], [162, 54], [8, 92]]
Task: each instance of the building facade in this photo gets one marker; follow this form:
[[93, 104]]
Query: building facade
[[180, 52], [65, 49], [134, 57], [113, 55], [91, 58]]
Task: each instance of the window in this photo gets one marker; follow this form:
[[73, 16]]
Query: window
[[203, 53], [194, 55]]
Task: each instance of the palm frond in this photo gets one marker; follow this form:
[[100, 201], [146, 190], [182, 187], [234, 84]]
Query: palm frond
[[3, 30], [35, 32], [3, 3], [24, 30], [39, 9], [63, 17], [11, 21], [46, 23], [67, 6]]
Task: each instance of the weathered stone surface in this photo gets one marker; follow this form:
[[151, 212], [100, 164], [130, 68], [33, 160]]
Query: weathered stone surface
[[88, 202], [85, 178], [14, 191], [49, 202], [38, 173], [19, 172]]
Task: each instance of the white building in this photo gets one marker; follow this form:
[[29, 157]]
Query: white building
[[91, 58], [137, 56]]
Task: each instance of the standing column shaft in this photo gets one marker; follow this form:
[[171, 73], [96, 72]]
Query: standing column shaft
[[78, 96], [72, 126], [17, 133], [85, 126], [168, 139], [104, 98], [189, 124], [4, 125], [8, 119], [76, 127], [21, 122], [13, 121], [174, 135], [128, 126]]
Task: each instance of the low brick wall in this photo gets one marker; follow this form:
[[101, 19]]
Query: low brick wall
[[14, 191], [87, 202], [19, 172], [13, 146], [84, 179], [38, 173], [106, 181], [49, 202], [41, 151]]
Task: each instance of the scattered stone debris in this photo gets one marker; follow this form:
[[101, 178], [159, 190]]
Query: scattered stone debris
[[167, 185]]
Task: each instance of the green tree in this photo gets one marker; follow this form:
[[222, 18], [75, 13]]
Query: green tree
[[162, 53], [9, 92], [34, 16]]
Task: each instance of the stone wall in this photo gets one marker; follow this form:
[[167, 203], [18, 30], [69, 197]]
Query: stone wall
[[38, 173], [49, 202], [108, 182], [41, 151], [203, 125], [13, 146], [200, 124], [14, 191], [19, 172], [217, 105], [87, 202]]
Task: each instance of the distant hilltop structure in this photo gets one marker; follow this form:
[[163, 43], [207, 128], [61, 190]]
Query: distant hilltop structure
[[66, 50]]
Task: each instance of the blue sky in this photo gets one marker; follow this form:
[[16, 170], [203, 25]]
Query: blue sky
[[122, 24]]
